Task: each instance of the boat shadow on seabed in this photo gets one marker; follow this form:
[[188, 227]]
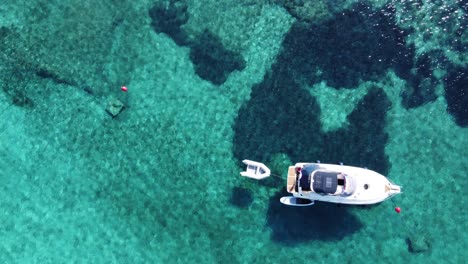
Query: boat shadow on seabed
[[292, 225]]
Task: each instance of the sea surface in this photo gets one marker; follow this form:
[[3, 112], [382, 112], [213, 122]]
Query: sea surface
[[91, 172]]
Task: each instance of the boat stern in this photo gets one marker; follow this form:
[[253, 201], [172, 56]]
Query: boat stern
[[292, 179]]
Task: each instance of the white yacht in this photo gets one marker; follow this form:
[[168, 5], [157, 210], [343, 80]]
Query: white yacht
[[309, 182]]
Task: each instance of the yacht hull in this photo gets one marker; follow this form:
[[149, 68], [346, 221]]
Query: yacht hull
[[370, 187]]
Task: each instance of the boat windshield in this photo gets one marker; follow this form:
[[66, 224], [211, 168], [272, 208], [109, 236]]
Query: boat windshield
[[325, 182]]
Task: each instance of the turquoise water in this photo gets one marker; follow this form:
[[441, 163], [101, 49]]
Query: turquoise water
[[381, 84]]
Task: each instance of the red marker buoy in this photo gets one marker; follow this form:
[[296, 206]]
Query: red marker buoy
[[124, 88], [397, 209]]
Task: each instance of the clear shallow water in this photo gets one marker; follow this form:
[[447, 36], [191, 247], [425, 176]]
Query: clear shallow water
[[210, 83]]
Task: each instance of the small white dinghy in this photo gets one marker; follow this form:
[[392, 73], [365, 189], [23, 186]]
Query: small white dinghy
[[255, 170]]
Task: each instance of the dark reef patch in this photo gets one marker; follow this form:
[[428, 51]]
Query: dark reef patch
[[14, 83], [241, 197], [212, 61], [360, 44], [460, 44], [357, 44], [47, 74], [421, 82], [366, 134], [308, 11], [168, 17], [323, 221], [280, 117], [456, 94], [463, 4], [20, 98]]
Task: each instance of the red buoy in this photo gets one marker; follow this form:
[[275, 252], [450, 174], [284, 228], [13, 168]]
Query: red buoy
[[397, 209], [124, 88]]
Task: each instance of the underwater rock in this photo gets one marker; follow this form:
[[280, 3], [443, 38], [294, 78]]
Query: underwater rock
[[417, 244], [168, 17], [213, 62], [19, 98], [115, 107]]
